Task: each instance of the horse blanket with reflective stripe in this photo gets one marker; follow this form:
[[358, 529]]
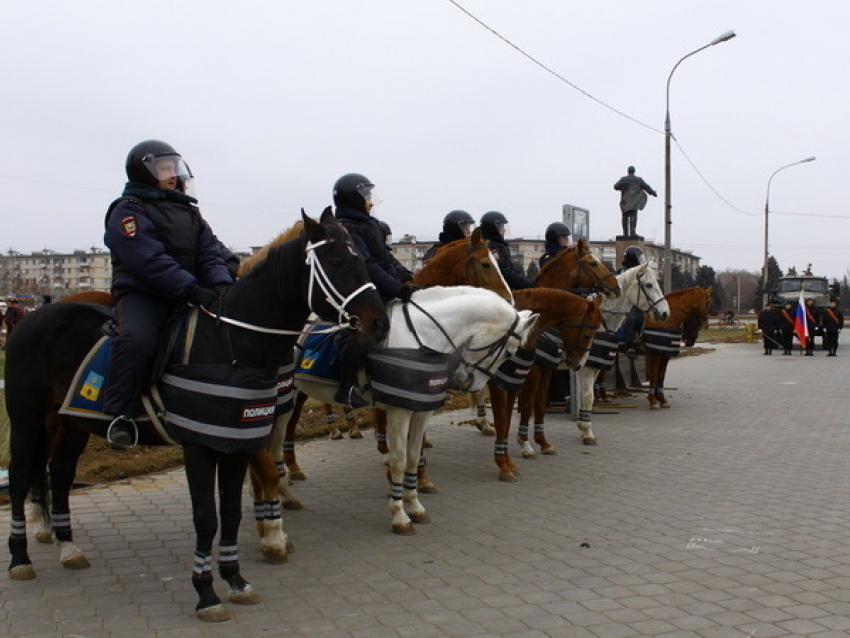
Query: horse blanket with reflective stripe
[[663, 340], [603, 350], [549, 350], [514, 371], [229, 408], [411, 378], [286, 387], [317, 359]]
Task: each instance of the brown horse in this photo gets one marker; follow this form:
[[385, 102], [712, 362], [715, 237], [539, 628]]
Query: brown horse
[[576, 319], [689, 311]]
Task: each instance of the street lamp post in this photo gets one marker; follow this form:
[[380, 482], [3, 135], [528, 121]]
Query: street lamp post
[[766, 211], [668, 254]]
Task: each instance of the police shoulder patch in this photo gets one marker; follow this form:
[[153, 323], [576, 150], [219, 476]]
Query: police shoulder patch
[[129, 225]]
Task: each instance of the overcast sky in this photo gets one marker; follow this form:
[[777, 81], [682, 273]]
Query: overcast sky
[[270, 102]]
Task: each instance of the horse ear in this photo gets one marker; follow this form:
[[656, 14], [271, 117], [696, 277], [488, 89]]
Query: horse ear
[[313, 228], [327, 215], [475, 238]]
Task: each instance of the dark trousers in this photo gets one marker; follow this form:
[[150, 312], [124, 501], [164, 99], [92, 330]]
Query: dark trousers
[[630, 223], [830, 340], [140, 318]]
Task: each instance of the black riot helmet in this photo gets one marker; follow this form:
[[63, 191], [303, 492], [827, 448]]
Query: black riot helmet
[[489, 221], [352, 190], [633, 256], [457, 218], [385, 227], [146, 159], [555, 230]]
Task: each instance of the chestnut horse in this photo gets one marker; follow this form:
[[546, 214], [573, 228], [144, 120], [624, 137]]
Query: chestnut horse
[[689, 312]]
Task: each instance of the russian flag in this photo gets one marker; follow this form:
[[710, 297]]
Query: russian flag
[[801, 328]]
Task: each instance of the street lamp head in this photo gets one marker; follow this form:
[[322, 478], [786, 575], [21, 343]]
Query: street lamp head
[[723, 37], [808, 159]]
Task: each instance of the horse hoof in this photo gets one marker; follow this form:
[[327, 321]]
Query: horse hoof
[[355, 434], [589, 440], [275, 555], [507, 477], [549, 451], [77, 561], [247, 596], [427, 444], [427, 488], [21, 572], [654, 406], [297, 475], [44, 536], [292, 504], [529, 455], [665, 406], [290, 546], [335, 436], [421, 518], [216, 613], [404, 529]]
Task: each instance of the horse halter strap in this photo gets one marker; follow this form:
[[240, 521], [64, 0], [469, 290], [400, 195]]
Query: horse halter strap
[[652, 304], [332, 295], [598, 284]]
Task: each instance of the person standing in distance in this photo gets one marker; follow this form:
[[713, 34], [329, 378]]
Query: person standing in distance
[[163, 255], [493, 230], [633, 191]]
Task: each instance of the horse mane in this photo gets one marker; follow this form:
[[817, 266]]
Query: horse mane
[[562, 256], [441, 261], [249, 263]]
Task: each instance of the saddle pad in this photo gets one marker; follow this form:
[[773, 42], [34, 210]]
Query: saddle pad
[[85, 394], [318, 360], [603, 351], [666, 341], [514, 371], [409, 378], [549, 350], [229, 408]]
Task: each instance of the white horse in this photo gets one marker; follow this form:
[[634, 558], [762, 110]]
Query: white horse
[[476, 323], [640, 289]]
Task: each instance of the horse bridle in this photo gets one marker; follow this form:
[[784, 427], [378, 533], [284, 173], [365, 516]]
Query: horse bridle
[[599, 284], [318, 277], [494, 349]]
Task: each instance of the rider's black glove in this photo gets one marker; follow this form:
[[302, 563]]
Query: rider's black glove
[[407, 291], [204, 297]]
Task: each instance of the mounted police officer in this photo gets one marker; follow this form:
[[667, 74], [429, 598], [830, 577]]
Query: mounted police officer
[[558, 238], [493, 230], [457, 225], [401, 273], [632, 256], [352, 195], [163, 255]]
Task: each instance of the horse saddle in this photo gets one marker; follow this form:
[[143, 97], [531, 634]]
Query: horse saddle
[[228, 407]]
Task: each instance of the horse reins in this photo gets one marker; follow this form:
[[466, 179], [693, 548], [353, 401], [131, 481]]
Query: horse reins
[[335, 298]]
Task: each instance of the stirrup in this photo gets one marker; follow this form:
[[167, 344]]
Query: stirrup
[[351, 399], [119, 436]]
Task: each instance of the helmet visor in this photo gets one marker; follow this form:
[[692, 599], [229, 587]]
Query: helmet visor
[[366, 191], [466, 226], [168, 167]]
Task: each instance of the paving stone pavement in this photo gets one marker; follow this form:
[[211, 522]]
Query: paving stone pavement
[[726, 515]]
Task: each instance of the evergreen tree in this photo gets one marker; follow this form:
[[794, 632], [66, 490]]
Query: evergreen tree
[[532, 271], [706, 277]]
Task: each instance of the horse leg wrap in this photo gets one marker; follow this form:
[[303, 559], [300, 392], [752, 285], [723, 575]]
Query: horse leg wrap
[[330, 418], [422, 461], [395, 491], [260, 513], [381, 437], [62, 525], [410, 480], [349, 415], [281, 469], [288, 447], [500, 448], [584, 419], [539, 428], [522, 431], [481, 411], [241, 591]]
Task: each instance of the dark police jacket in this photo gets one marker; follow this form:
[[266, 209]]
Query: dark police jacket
[[162, 246], [369, 240], [550, 251], [514, 277], [444, 238], [832, 319]]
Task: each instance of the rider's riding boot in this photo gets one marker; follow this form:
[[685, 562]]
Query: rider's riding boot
[[122, 433]]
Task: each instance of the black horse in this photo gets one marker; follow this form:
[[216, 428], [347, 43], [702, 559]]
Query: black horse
[[262, 315]]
